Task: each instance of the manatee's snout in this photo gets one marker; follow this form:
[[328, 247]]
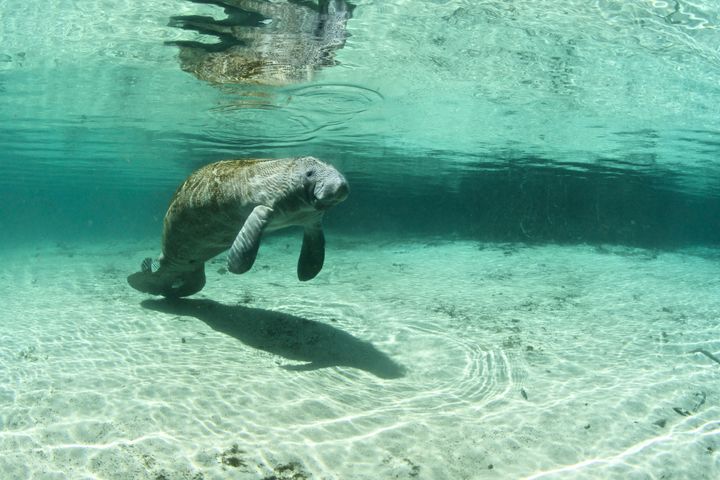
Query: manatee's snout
[[331, 190]]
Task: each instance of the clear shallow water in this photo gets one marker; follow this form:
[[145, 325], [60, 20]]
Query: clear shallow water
[[569, 96], [536, 122]]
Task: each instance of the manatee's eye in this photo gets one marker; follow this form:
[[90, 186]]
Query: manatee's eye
[[310, 173]]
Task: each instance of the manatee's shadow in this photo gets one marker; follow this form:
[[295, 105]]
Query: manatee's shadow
[[292, 337]]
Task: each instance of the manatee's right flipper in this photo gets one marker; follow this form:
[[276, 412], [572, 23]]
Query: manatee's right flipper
[[312, 255], [172, 284], [245, 247]]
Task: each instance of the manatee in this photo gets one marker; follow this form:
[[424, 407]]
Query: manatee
[[264, 42], [229, 205]]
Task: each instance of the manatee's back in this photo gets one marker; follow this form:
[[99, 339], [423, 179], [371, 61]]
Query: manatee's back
[[207, 211]]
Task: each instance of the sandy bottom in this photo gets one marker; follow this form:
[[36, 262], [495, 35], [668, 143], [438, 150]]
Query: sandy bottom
[[402, 359]]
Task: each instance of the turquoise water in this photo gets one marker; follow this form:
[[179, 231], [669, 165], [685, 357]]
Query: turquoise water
[[600, 116], [529, 246]]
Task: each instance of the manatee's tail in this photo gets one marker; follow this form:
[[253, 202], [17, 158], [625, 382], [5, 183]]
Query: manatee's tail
[[156, 280]]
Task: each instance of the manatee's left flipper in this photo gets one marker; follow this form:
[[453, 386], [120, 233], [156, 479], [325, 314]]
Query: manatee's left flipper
[[245, 247], [312, 255]]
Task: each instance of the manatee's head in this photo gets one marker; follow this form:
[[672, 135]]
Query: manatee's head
[[323, 185]]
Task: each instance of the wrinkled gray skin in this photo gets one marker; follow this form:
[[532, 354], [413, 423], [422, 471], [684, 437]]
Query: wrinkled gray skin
[[267, 42], [229, 205]]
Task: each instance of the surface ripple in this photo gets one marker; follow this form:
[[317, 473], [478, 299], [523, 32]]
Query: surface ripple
[[290, 116]]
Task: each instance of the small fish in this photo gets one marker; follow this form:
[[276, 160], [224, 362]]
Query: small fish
[[707, 354], [523, 393], [682, 411], [700, 401]]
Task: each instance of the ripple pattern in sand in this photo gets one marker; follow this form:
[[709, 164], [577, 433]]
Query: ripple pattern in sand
[[459, 373]]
